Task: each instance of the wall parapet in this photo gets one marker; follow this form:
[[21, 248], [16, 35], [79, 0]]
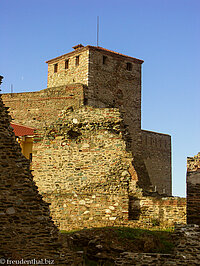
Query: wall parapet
[[42, 107]]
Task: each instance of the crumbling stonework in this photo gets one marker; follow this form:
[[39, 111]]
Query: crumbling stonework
[[27, 230], [82, 167], [37, 109], [193, 190], [91, 160], [100, 78], [186, 251]]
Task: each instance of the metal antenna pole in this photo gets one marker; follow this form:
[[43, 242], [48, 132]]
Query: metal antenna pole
[[97, 31]]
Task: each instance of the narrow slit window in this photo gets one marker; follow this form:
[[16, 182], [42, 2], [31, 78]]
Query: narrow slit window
[[66, 64], [129, 66], [30, 157], [55, 68], [104, 59], [77, 60]]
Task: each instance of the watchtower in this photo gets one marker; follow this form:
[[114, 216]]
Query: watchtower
[[112, 80]]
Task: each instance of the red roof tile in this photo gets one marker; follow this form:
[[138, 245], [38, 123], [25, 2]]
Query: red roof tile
[[20, 130], [113, 52], [95, 48]]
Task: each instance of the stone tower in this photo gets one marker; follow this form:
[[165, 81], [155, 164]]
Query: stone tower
[[112, 79]]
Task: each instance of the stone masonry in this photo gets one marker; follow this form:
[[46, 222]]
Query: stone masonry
[[27, 230], [100, 78], [193, 189], [83, 167], [91, 160], [186, 251]]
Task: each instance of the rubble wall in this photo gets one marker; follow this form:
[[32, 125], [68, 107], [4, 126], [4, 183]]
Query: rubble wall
[[187, 246], [157, 210], [193, 190], [27, 230], [81, 165], [40, 108]]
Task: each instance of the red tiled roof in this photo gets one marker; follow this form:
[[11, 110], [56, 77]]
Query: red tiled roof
[[95, 48], [20, 130], [113, 52]]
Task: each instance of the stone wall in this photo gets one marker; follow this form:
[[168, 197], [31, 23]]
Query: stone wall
[[37, 109], [89, 139], [27, 230], [73, 73], [193, 190], [157, 211], [81, 165], [187, 246], [78, 210], [156, 152], [112, 85], [44, 107]]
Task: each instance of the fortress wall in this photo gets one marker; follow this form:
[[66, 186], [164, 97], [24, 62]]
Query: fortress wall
[[36, 109], [187, 246], [27, 230], [157, 210], [193, 189], [74, 211], [111, 84], [156, 152], [74, 74], [81, 166]]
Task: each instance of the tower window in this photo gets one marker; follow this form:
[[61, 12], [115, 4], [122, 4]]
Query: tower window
[[129, 66], [104, 59], [67, 64], [55, 68], [77, 60]]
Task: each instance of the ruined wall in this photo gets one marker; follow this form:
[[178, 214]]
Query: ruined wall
[[73, 74], [36, 109], [98, 208], [157, 211], [27, 231], [193, 189], [187, 246], [111, 84], [156, 152], [81, 165]]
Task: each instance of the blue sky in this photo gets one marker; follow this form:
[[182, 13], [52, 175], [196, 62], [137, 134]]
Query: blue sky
[[164, 33]]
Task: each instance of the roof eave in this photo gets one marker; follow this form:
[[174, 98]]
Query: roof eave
[[95, 48]]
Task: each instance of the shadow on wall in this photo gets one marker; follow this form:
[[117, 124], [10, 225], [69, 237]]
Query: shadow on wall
[[134, 208]]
